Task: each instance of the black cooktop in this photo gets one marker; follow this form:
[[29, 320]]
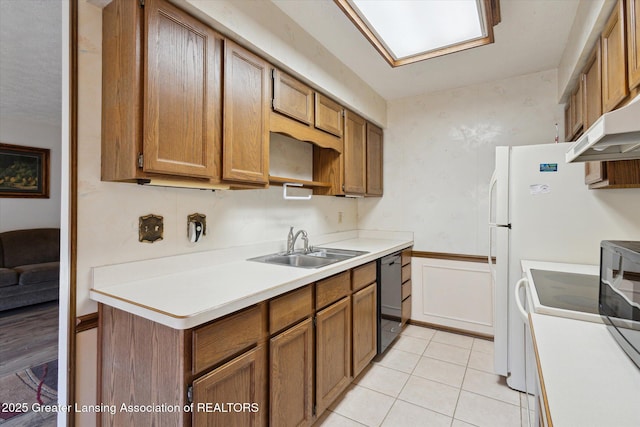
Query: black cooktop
[[568, 291]]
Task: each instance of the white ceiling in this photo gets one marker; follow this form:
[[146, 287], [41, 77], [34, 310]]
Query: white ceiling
[[31, 60], [531, 37]]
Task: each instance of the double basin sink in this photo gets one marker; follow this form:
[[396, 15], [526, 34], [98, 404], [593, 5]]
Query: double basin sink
[[314, 258]]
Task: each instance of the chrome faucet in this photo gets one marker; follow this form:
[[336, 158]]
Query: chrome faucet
[[291, 240]]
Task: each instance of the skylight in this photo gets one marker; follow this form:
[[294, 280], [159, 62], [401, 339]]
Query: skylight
[[406, 31]]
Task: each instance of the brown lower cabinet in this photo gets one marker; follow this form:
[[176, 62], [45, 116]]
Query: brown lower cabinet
[[333, 352], [237, 387], [364, 327], [291, 376], [281, 362]]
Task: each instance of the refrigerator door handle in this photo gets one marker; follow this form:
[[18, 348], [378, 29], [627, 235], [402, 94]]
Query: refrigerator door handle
[[522, 283], [492, 185]]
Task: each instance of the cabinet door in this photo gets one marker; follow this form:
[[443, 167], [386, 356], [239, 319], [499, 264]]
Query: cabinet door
[[245, 151], [633, 40], [568, 124], [355, 165], [292, 376], [614, 60], [333, 352], [328, 115], [374, 160], [592, 96], [182, 93], [365, 342], [576, 103], [292, 98], [242, 381]]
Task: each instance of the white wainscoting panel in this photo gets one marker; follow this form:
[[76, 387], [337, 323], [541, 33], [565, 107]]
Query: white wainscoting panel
[[453, 294]]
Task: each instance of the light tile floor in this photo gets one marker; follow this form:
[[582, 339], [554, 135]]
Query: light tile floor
[[431, 378]]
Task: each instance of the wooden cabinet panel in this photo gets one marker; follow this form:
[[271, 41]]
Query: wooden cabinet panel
[[141, 355], [242, 380], [618, 174], [374, 160], [161, 95], [591, 76], [182, 91], [364, 327], [291, 381], [594, 172], [406, 256], [406, 272], [292, 98], [568, 121], [333, 352], [614, 59], [328, 115], [363, 275], [406, 289], [332, 289], [223, 338], [633, 42], [406, 311], [354, 154], [576, 110], [246, 116], [288, 309]]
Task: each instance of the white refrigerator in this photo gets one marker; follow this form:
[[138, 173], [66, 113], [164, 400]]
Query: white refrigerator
[[542, 210]]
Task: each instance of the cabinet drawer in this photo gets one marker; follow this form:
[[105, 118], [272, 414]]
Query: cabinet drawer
[[406, 311], [332, 289], [406, 289], [217, 341], [288, 309], [363, 276], [406, 256], [406, 273]]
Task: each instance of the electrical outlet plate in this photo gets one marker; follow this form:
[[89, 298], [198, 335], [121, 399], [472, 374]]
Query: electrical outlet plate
[[197, 217], [150, 228]]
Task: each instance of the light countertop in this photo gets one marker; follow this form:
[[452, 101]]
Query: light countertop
[[588, 379], [188, 290]]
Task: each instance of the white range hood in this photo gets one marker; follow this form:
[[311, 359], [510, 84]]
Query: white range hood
[[614, 136]]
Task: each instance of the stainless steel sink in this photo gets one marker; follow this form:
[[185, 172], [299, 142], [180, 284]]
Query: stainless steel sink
[[316, 258]]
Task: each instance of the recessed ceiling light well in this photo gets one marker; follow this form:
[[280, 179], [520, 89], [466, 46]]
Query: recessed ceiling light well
[[407, 31]]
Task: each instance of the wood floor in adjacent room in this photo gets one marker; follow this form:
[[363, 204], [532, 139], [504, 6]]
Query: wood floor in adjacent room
[[29, 337]]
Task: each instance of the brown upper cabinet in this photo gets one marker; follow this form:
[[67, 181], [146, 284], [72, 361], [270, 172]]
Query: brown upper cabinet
[[304, 114], [328, 115], [614, 59], [355, 152], [374, 160], [633, 42], [592, 88], [162, 101], [175, 129], [246, 116], [292, 98]]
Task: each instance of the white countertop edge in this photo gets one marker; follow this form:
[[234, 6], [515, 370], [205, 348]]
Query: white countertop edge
[[588, 379], [115, 294]]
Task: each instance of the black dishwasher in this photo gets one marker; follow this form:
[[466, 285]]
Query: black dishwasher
[[389, 300]]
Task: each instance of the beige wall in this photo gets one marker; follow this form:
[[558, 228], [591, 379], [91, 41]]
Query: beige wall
[[439, 156]]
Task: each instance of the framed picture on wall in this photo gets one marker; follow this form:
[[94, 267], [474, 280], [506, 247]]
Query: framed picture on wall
[[24, 171]]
